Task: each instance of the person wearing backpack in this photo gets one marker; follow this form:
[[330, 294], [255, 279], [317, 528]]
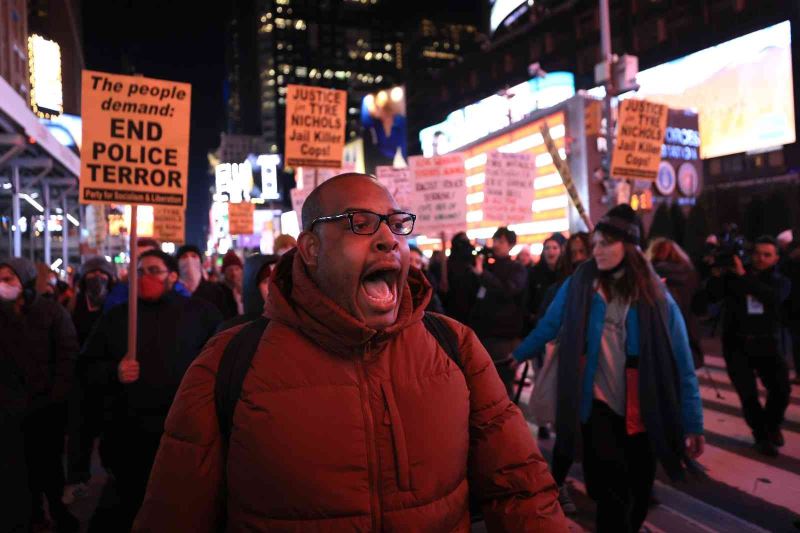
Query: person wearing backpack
[[352, 414]]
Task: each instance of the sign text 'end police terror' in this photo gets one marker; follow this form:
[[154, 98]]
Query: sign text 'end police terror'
[[135, 139], [122, 153]]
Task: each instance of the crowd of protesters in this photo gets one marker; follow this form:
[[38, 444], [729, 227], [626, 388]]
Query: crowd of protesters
[[619, 320]]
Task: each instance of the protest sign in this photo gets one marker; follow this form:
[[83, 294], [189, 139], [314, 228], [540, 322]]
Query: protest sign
[[315, 126], [240, 218], [640, 135], [398, 181], [440, 193], [169, 224], [508, 188], [298, 198], [135, 140]]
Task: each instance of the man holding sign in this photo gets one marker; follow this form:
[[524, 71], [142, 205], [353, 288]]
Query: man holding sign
[[172, 330]]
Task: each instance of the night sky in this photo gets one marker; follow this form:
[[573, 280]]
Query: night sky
[[184, 41], [181, 41]]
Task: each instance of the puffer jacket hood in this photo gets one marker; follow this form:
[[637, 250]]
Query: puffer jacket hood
[[251, 298], [296, 301], [23, 268]]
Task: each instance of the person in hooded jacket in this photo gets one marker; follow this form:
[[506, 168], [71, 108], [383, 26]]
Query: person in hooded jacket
[[15, 498], [352, 416], [96, 279], [676, 269], [257, 270], [41, 329], [627, 392], [171, 332]]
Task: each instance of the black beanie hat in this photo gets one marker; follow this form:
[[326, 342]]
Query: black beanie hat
[[186, 248], [621, 222]]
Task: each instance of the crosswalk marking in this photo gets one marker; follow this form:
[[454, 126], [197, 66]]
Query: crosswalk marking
[[731, 464]]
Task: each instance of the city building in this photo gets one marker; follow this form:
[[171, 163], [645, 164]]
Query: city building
[[14, 45], [59, 21], [745, 178], [344, 44]]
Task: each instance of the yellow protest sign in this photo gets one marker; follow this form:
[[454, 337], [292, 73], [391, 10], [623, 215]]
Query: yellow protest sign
[[169, 224], [240, 218], [315, 126], [640, 135], [135, 140]]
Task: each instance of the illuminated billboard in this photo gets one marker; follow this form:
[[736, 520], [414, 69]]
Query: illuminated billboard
[[496, 112], [44, 58], [742, 90], [505, 11], [385, 129]]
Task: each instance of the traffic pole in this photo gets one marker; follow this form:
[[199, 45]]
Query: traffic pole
[[133, 278]]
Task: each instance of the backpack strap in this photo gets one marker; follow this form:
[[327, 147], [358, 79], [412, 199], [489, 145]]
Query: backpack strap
[[233, 368], [444, 335]]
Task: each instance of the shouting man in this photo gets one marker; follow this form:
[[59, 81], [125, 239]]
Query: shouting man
[[353, 417]]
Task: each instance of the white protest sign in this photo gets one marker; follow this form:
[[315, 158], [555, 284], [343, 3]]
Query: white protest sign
[[508, 190], [440, 193], [398, 181], [298, 199]]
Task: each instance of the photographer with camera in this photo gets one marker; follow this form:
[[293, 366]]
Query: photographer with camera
[[497, 314], [753, 299]]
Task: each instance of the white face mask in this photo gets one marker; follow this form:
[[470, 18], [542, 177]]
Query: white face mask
[[9, 293], [191, 272]]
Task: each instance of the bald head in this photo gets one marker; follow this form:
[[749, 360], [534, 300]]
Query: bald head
[[324, 199], [364, 273]]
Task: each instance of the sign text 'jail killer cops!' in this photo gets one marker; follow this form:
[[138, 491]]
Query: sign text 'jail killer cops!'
[[135, 140], [315, 126]]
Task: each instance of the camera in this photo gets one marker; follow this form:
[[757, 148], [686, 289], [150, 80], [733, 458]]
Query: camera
[[486, 251], [731, 244]]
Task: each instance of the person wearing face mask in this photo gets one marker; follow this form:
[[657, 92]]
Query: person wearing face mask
[[190, 269], [171, 331], [96, 279], [257, 270], [41, 331], [352, 416], [120, 291], [627, 392]]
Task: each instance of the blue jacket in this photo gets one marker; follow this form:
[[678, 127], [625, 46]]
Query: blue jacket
[[549, 326], [119, 294]]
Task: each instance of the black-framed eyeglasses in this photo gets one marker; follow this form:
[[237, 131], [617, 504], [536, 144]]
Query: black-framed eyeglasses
[[151, 270], [368, 222]]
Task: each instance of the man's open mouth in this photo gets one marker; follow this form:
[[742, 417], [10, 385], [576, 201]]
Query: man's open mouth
[[380, 286]]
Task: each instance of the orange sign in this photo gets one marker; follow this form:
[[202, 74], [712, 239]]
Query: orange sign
[[240, 218], [640, 135], [315, 126], [135, 140], [169, 224]]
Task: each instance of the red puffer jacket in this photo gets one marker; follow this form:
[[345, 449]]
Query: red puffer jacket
[[344, 428]]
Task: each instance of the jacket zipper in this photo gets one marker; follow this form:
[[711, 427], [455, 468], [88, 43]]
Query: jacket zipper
[[393, 420], [372, 451]]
